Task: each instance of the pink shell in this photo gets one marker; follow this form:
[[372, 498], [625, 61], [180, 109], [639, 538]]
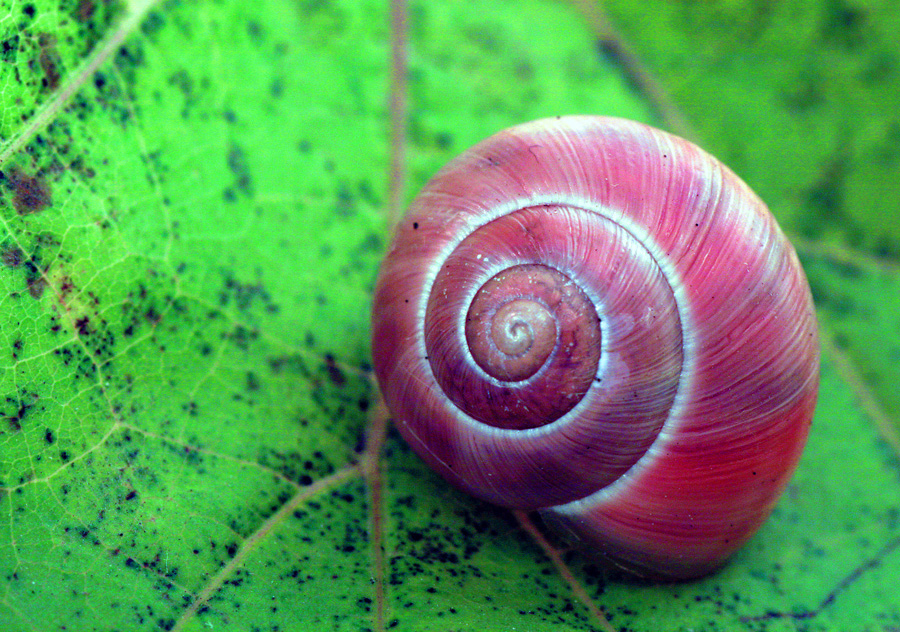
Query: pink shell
[[709, 366]]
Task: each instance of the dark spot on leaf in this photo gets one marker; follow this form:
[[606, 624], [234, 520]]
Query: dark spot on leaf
[[31, 194], [131, 495], [276, 88], [152, 316], [237, 164], [9, 48], [346, 202], [360, 444], [17, 408], [49, 61], [65, 288], [846, 270], [244, 294], [85, 10], [242, 337], [152, 23], [12, 257], [844, 24], [841, 341], [334, 373], [81, 326], [290, 363]]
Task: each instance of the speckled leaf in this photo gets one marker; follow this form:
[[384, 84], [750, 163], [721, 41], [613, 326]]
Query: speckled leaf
[[191, 218], [188, 246], [826, 560]]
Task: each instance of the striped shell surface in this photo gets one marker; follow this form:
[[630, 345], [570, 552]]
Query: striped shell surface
[[595, 319]]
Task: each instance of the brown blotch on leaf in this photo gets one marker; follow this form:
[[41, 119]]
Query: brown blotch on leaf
[[85, 10], [31, 194], [49, 61], [36, 286], [66, 286], [334, 373], [12, 257]]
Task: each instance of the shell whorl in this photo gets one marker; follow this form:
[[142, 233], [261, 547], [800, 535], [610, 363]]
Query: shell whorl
[[596, 319]]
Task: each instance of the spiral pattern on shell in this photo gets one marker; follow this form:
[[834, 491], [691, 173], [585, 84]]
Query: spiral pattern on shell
[[596, 319]]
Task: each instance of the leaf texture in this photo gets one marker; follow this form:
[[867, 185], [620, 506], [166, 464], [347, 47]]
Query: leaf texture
[[192, 212]]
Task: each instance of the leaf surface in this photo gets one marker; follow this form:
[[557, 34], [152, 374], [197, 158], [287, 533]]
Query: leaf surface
[[191, 218]]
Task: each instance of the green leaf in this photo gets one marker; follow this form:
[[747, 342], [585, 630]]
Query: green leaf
[[192, 214], [800, 97]]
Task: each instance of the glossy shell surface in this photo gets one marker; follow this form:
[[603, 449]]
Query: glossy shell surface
[[664, 417]]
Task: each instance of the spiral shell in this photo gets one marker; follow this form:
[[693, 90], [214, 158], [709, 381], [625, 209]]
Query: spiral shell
[[595, 319]]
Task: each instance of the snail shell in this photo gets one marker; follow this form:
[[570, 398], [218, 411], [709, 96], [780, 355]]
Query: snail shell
[[592, 318]]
